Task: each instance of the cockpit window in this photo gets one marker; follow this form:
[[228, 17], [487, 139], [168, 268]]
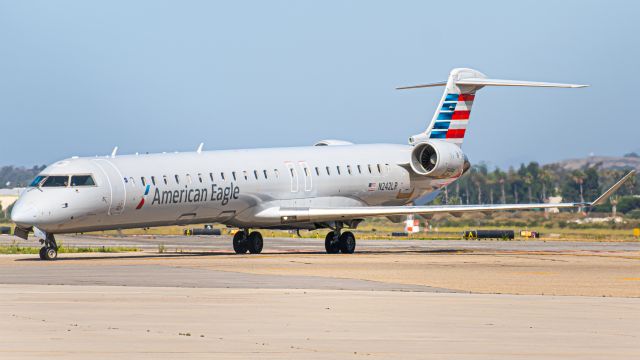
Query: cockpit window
[[56, 181], [37, 181], [82, 180]]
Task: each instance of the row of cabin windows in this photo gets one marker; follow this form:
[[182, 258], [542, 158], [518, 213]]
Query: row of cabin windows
[[371, 169]]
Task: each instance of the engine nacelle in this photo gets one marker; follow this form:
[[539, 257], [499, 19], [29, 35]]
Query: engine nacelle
[[438, 159]]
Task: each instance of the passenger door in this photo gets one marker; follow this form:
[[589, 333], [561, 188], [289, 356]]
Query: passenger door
[[293, 174], [306, 173], [115, 183]]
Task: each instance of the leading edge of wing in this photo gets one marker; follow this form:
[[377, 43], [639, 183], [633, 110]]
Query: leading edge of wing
[[339, 213]]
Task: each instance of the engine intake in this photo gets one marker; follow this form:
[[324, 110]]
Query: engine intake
[[438, 159]]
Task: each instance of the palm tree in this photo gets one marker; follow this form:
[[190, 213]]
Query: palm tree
[[578, 177]]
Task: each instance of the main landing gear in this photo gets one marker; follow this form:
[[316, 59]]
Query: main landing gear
[[50, 249], [251, 242], [336, 242]]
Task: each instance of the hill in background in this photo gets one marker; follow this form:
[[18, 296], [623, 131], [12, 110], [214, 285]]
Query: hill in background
[[631, 160]]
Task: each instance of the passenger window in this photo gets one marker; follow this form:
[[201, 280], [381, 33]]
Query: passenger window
[[233, 173], [56, 181], [125, 180], [164, 177], [349, 169], [338, 168], [131, 180], [177, 179], [153, 180], [189, 179], [369, 166], [82, 180], [306, 171], [328, 171], [275, 171], [244, 173], [255, 174], [317, 171], [222, 176], [359, 169], [379, 169], [200, 177], [265, 173], [144, 182], [211, 176]]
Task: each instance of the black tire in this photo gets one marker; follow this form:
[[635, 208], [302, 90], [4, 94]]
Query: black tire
[[255, 242], [43, 255], [51, 253], [347, 242], [240, 242], [331, 246]]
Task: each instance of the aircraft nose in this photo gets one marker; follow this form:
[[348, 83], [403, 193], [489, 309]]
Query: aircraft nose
[[23, 215]]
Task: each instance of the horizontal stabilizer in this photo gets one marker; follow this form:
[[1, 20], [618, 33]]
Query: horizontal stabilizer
[[499, 82], [441, 83], [479, 82]]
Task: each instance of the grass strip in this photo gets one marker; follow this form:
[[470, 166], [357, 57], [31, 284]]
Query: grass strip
[[17, 249]]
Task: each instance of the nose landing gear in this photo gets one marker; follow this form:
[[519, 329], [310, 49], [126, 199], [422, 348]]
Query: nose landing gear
[[50, 249], [251, 242]]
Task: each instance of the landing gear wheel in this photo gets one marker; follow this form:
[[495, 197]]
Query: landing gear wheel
[[50, 249], [330, 244], [240, 242], [347, 242], [51, 253], [254, 242]]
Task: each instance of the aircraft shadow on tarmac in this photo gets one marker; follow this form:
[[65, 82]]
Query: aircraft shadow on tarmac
[[127, 256]]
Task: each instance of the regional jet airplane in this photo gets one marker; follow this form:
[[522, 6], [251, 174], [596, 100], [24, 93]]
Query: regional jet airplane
[[333, 184]]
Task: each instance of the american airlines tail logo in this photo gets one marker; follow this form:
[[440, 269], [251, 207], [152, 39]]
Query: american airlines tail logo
[[146, 192]]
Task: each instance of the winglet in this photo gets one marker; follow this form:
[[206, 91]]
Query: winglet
[[616, 186]]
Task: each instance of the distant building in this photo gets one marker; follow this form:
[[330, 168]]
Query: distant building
[[554, 200], [8, 197]]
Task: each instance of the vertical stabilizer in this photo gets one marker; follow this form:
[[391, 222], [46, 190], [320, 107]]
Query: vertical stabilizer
[[449, 123], [450, 120]]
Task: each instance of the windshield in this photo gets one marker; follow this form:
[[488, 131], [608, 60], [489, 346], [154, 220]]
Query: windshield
[[56, 181], [82, 180], [37, 181]]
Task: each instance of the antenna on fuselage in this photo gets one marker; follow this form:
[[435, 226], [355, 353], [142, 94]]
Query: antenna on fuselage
[[200, 148], [113, 153]]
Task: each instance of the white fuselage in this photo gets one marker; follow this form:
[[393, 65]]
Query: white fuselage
[[227, 187]]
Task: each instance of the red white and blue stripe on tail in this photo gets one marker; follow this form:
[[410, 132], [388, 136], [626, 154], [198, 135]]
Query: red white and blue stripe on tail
[[453, 117]]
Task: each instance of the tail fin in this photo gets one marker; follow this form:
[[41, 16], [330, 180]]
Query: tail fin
[[450, 121]]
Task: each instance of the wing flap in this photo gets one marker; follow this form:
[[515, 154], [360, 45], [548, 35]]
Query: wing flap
[[288, 215]]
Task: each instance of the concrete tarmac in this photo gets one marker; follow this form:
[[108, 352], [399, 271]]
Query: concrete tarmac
[[393, 299]]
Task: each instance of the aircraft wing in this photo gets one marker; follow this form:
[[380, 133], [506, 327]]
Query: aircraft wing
[[293, 215]]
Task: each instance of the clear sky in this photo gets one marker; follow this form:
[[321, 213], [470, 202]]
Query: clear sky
[[79, 77]]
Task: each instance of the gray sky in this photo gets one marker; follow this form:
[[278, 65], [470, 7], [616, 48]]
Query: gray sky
[[79, 77]]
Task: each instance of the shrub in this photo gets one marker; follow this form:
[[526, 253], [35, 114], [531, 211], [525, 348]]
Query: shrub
[[634, 214]]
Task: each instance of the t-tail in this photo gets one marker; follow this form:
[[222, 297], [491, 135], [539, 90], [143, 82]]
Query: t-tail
[[451, 118]]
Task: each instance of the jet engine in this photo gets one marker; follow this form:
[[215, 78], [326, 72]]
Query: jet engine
[[438, 159]]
